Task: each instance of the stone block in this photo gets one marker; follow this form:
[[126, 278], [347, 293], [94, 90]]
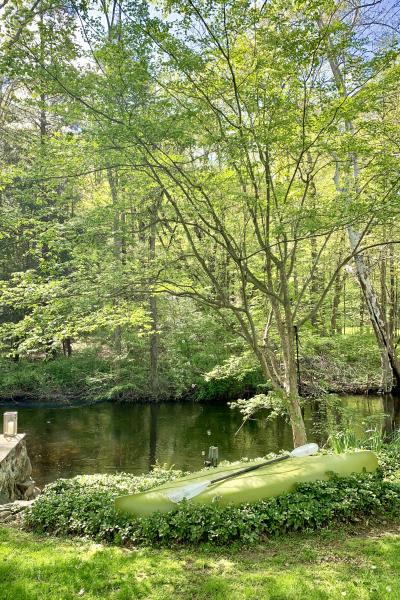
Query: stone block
[[15, 470]]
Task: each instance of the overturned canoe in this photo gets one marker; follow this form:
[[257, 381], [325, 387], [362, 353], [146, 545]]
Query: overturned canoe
[[265, 482]]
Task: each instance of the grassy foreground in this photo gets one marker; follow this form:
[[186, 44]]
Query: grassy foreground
[[324, 566]]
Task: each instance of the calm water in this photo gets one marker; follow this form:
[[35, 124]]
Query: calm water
[[105, 438]]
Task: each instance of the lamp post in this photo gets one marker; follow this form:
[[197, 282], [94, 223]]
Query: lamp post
[[10, 422]]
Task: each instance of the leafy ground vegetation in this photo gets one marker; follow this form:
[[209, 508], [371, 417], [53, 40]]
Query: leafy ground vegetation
[[83, 506], [358, 564]]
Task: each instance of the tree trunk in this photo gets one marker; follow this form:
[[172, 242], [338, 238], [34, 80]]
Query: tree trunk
[[362, 307], [291, 390], [67, 347], [382, 261], [287, 333], [315, 321], [392, 298], [390, 368], [117, 247], [292, 393], [337, 294], [154, 350], [315, 276], [154, 340]]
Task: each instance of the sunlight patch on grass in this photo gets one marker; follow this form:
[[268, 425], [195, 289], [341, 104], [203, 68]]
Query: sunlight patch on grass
[[309, 567]]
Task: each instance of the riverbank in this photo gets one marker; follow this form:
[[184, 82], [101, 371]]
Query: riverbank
[[341, 364], [88, 377], [356, 564]]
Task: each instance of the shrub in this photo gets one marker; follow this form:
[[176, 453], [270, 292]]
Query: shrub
[[341, 363], [84, 506], [228, 388], [386, 447], [311, 506], [389, 458], [85, 374]]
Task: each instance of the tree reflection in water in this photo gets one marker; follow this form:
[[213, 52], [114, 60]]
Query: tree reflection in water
[[106, 438]]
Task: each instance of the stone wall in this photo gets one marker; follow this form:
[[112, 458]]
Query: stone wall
[[15, 470], [12, 514]]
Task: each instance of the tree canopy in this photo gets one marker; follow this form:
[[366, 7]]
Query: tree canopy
[[228, 166]]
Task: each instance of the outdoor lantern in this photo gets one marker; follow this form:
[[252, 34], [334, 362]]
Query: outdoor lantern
[[10, 420]]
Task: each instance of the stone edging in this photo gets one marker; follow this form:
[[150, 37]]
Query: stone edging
[[11, 513]]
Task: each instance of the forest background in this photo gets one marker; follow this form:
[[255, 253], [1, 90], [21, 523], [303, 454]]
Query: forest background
[[199, 200]]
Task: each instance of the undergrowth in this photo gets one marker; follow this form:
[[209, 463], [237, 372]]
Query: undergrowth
[[83, 506], [340, 363]]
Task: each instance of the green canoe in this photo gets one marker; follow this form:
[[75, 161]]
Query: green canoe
[[265, 482]]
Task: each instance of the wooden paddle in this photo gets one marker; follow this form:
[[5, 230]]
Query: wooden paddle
[[194, 489]]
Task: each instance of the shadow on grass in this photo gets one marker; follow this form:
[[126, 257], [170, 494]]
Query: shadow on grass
[[309, 567]]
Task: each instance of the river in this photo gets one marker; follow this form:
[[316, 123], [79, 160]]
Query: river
[[106, 438]]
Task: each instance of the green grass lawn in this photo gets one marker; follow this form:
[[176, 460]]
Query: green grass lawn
[[324, 565]]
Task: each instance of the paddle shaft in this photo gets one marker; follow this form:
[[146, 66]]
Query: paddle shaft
[[252, 468]]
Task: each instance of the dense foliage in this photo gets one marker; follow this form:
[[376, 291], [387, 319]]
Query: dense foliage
[[83, 506], [341, 364], [185, 184]]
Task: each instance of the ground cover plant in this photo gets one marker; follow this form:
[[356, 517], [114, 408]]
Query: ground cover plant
[[83, 506]]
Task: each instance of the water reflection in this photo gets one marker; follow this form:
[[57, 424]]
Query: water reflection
[[391, 408], [106, 438]]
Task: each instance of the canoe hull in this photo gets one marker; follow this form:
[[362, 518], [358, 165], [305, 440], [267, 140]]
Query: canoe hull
[[266, 482]]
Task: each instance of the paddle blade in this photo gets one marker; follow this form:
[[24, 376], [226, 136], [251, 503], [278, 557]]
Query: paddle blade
[[306, 450], [188, 491]]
